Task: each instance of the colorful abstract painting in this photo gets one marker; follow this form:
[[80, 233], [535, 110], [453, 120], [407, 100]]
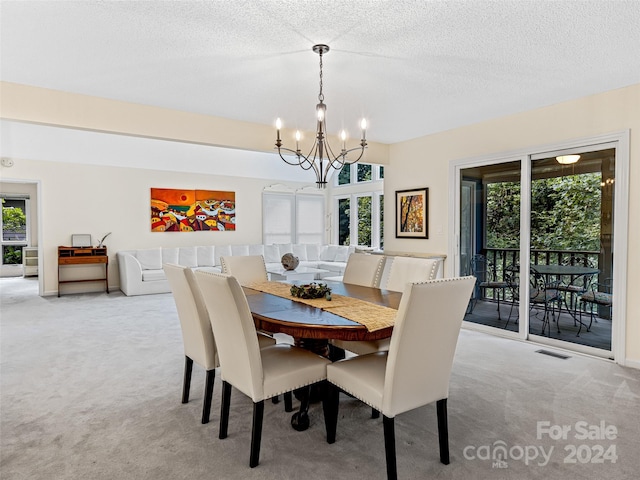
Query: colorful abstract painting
[[192, 210]]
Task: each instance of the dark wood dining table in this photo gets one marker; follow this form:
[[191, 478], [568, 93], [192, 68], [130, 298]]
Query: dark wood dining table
[[312, 327], [282, 315]]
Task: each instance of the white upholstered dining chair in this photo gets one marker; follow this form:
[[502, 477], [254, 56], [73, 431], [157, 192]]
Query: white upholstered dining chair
[[245, 268], [404, 270], [258, 373], [197, 336], [416, 369], [362, 269]]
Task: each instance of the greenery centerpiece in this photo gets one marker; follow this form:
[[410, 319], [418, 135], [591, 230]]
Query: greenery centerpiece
[[311, 290]]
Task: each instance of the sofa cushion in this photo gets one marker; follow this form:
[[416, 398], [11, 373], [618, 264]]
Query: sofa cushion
[[342, 253], [256, 249], [284, 248], [300, 251], [272, 254], [239, 250], [150, 258], [313, 252], [333, 266], [153, 275], [206, 256], [170, 255], [222, 251], [329, 253], [188, 257]]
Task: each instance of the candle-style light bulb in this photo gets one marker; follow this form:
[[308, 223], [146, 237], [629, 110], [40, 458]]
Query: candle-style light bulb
[[297, 139], [278, 127], [343, 136], [363, 125]]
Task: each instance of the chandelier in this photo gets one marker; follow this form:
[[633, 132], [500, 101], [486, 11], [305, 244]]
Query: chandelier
[[321, 158]]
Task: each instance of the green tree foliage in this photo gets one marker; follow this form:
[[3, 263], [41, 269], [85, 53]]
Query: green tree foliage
[[565, 213], [13, 219]]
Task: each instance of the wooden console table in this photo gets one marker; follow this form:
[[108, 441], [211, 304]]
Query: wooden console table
[[83, 256]]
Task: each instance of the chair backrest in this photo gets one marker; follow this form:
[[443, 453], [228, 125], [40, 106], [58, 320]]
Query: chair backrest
[[364, 269], [406, 270], [246, 268], [479, 267], [197, 336], [423, 343], [235, 332]]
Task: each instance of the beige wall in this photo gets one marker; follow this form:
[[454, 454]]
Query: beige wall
[[97, 200], [424, 162]]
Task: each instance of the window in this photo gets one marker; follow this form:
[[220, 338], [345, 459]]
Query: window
[[344, 221], [14, 229], [292, 218], [278, 218], [358, 205], [309, 225], [359, 220], [359, 173]]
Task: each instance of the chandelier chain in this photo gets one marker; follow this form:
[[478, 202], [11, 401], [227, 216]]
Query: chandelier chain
[[321, 95]]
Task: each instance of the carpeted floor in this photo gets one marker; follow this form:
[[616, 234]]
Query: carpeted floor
[[91, 385]]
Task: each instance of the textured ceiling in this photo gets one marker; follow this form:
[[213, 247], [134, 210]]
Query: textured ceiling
[[411, 67]]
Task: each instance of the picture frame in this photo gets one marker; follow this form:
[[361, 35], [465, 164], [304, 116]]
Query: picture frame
[[80, 240], [412, 213]]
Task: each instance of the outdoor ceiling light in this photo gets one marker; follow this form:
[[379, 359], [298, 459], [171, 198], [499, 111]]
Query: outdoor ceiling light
[[567, 159], [321, 157]]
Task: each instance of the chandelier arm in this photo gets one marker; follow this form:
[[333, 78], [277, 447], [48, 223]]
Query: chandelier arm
[[361, 148]]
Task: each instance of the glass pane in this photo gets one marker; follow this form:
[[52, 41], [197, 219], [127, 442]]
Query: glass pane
[[14, 220], [381, 221], [490, 241], [381, 172], [310, 219], [365, 172], [344, 177], [364, 221], [344, 221], [12, 254], [571, 248]]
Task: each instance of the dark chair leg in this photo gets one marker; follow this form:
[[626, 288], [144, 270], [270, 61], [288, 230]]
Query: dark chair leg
[[186, 385], [256, 433], [443, 430], [330, 405], [288, 402], [275, 400], [224, 409], [390, 447], [208, 393], [375, 413]]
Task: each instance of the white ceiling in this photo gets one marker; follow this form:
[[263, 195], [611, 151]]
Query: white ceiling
[[411, 67]]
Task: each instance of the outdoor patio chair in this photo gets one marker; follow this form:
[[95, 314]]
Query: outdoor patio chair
[[544, 293], [487, 278], [599, 294]]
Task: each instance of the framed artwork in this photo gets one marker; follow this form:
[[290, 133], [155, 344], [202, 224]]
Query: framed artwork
[[80, 240], [412, 213], [175, 210]]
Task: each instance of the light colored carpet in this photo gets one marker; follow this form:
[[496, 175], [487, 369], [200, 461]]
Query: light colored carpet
[[91, 386]]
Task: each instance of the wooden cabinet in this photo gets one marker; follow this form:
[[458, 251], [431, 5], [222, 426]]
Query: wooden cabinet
[[29, 261], [68, 256]]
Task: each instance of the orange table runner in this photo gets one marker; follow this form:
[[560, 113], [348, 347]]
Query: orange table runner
[[373, 317]]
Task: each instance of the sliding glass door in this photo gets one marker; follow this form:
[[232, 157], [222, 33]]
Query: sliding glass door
[[538, 232], [572, 217]]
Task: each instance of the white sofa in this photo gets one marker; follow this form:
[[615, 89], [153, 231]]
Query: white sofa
[[141, 270]]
